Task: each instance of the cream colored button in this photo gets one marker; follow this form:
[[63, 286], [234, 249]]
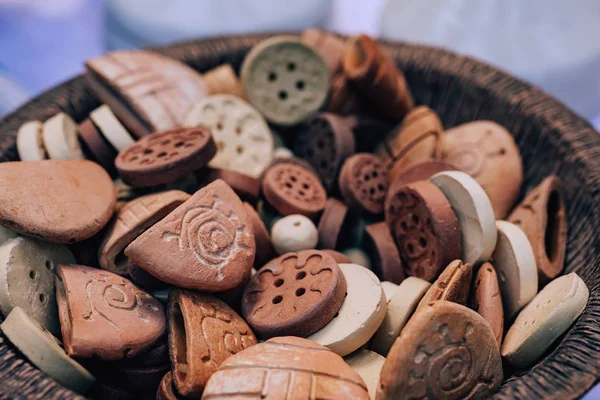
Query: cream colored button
[[30, 143], [515, 265], [27, 272], [282, 153], [44, 351], [474, 212], [244, 140], [544, 319], [368, 365], [388, 288], [294, 233], [358, 257], [111, 127], [399, 309], [60, 138], [360, 315]]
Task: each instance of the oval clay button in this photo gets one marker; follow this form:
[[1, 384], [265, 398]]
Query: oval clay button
[[96, 146], [368, 365], [294, 233], [453, 284], [384, 253], [331, 224], [60, 138], [30, 143], [364, 183], [487, 301], [111, 127]]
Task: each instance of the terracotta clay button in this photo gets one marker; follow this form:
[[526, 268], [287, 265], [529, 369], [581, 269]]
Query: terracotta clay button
[[419, 172], [384, 253], [331, 223], [339, 258], [285, 79], [264, 249], [545, 319], [487, 152], [132, 220], [105, 315], [364, 183], [164, 157], [79, 199], [474, 212], [244, 140], [295, 294], [445, 351], [359, 317], [167, 390], [515, 263], [97, 146], [368, 365], [205, 244], [453, 284], [284, 365], [487, 300], [111, 127], [425, 228], [247, 187], [292, 189], [543, 218], [30, 143], [60, 138], [294, 233], [388, 288], [223, 80]]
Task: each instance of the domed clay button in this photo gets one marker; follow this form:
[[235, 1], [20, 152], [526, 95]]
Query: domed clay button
[[262, 238], [131, 221], [27, 278], [368, 365], [364, 183], [44, 351], [384, 253], [419, 172], [486, 300], [292, 189], [294, 233], [543, 218], [105, 315], [388, 288], [223, 80], [545, 319], [515, 265], [30, 143], [487, 152], [284, 365], [244, 140], [60, 138], [111, 127], [247, 187], [295, 294], [400, 308], [286, 80], [203, 332], [443, 342], [97, 147], [205, 244], [359, 317], [167, 390], [425, 228], [453, 284], [164, 157], [331, 223], [474, 212], [79, 199]]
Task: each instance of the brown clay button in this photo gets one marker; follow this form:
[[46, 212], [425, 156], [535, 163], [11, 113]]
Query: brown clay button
[[295, 294], [262, 238], [342, 99], [420, 172], [487, 300], [424, 227], [384, 253], [339, 258], [487, 152], [167, 390], [143, 279], [292, 189], [364, 183], [543, 218], [96, 145], [205, 244], [105, 315], [164, 157], [284, 365], [203, 332], [331, 223], [453, 284], [247, 187], [445, 351], [78, 199]]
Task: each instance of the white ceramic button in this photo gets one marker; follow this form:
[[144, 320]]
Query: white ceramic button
[[60, 138], [388, 288], [544, 319], [111, 127], [474, 212], [358, 257], [294, 233], [30, 143], [360, 315], [368, 365], [515, 264]]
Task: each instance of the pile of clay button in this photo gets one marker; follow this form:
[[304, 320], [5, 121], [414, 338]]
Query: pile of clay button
[[303, 231]]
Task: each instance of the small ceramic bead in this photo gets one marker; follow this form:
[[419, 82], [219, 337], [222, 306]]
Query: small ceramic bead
[[30, 143], [294, 233]]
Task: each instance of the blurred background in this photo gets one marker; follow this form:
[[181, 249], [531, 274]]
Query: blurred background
[[552, 43]]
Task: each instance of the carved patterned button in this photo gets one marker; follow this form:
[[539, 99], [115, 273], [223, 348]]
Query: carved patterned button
[[364, 183], [295, 294], [285, 80], [164, 157]]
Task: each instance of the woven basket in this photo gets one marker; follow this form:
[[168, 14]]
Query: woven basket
[[552, 140]]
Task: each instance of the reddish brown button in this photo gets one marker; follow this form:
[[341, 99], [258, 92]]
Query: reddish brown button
[[453, 284], [101, 150], [331, 223], [384, 253], [262, 238], [245, 186], [364, 183], [295, 294], [487, 300]]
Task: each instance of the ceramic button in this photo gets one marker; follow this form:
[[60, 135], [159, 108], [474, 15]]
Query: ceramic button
[[515, 264], [30, 143], [294, 233], [295, 294], [285, 80], [244, 140], [96, 146], [474, 212], [358, 257], [44, 351], [364, 183], [262, 238], [27, 278], [453, 284], [282, 366], [487, 301], [359, 317], [247, 187], [384, 253], [60, 138], [388, 288], [368, 365], [223, 80], [545, 319], [400, 308], [331, 224], [111, 127], [445, 351]]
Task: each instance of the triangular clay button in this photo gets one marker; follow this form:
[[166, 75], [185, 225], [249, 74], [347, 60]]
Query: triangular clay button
[[206, 243]]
